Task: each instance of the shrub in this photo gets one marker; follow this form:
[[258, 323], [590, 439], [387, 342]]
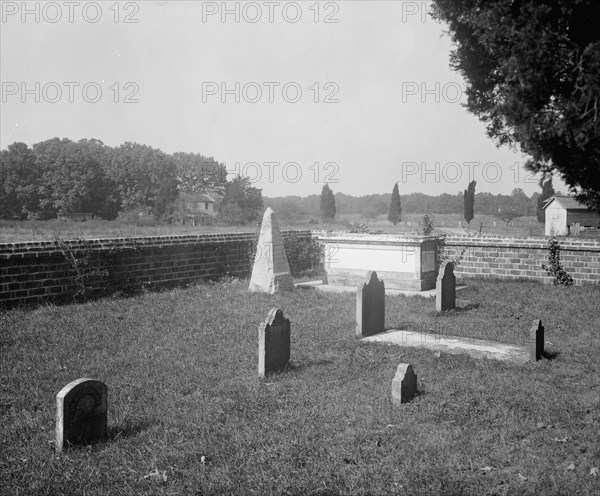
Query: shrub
[[305, 254], [357, 227], [231, 215], [138, 216], [427, 225]]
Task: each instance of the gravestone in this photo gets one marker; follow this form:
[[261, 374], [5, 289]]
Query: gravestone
[[370, 306], [271, 271], [575, 229], [81, 413], [536, 340], [445, 288], [273, 343], [404, 385]]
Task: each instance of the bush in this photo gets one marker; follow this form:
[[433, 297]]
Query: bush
[[138, 216], [305, 255], [357, 227], [427, 225], [231, 215]]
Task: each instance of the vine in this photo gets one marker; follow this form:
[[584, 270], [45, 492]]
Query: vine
[[555, 269]]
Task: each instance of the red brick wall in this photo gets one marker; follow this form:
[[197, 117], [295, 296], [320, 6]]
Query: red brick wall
[[511, 258], [33, 273]]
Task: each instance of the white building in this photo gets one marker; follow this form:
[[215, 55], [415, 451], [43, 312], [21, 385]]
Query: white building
[[562, 212]]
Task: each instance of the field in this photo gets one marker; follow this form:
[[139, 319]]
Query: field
[[22, 231], [189, 415]]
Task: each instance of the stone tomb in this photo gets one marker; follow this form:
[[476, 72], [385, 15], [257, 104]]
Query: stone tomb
[[271, 271], [536, 340], [370, 306], [81, 413], [445, 289], [273, 343], [404, 385], [403, 262]]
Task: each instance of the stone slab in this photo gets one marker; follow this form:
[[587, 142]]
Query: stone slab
[[273, 343], [397, 280], [271, 271], [370, 306], [334, 288], [81, 413], [477, 348], [445, 288], [536, 340], [404, 385]]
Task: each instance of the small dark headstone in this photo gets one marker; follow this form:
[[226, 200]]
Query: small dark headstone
[[404, 385], [445, 288], [81, 413], [536, 340], [273, 343], [370, 306]]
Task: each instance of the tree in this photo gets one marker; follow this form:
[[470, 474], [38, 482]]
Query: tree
[[519, 201], [547, 192], [199, 174], [241, 202], [469, 202], [19, 189], [395, 213], [508, 214], [532, 69], [164, 205], [139, 173], [327, 204]]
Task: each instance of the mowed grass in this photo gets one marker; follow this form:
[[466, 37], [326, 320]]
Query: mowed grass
[[186, 403]]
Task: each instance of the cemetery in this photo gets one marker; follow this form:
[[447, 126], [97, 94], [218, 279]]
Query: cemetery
[[382, 277], [263, 386]]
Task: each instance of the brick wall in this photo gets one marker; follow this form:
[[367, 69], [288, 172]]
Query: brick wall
[[38, 272], [511, 258]]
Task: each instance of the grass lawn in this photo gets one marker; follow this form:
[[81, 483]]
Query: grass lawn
[[33, 230], [185, 399]]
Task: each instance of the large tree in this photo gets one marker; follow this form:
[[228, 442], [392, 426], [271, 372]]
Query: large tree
[[532, 73], [20, 181], [469, 202], [200, 174], [328, 209], [241, 203], [143, 176], [547, 192], [395, 213]]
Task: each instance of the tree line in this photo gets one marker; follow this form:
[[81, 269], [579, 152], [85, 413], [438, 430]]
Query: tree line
[[64, 176], [468, 203]]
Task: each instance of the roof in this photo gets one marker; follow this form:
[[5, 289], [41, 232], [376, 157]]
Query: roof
[[196, 197], [567, 203]]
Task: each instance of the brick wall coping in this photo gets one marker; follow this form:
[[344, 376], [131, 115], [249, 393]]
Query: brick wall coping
[[373, 238], [10, 249], [572, 244]]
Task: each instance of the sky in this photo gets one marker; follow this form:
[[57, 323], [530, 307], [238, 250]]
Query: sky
[[354, 93]]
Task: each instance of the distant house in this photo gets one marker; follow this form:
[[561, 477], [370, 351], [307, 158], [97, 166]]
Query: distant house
[[196, 208], [75, 217], [562, 212]]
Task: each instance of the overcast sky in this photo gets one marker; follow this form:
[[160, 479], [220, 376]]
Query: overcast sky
[[355, 93]]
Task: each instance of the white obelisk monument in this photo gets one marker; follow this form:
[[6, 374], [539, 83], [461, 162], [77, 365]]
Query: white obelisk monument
[[271, 271]]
